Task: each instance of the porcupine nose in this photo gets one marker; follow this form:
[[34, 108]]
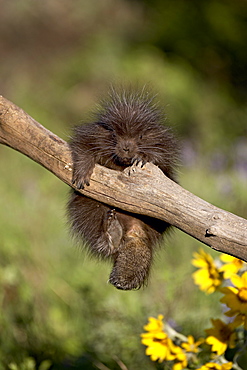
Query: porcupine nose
[[128, 146], [127, 149]]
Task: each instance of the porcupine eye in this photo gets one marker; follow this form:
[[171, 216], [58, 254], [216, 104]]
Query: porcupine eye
[[114, 138]]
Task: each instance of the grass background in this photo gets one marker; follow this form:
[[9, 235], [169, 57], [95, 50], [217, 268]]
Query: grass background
[[56, 58]]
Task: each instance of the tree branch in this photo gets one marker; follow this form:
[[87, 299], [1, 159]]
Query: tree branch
[[139, 190]]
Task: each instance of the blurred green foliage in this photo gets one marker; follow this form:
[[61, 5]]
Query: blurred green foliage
[[56, 59]]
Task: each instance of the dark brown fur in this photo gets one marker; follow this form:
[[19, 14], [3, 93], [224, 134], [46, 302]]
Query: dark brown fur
[[128, 129]]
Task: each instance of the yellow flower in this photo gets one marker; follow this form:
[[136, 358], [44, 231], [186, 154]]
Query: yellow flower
[[154, 325], [236, 297], [158, 348], [232, 265], [215, 366], [181, 361], [191, 345], [220, 336], [208, 276], [159, 345]]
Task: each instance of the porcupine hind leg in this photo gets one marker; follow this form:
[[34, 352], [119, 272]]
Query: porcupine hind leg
[[133, 258], [96, 224]]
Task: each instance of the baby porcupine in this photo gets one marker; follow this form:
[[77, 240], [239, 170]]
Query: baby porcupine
[[128, 129]]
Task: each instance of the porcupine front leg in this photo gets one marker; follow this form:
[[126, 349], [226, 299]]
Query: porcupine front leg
[[82, 174]]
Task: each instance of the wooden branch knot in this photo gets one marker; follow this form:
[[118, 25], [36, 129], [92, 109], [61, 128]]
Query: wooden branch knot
[[216, 216], [211, 231], [68, 167]]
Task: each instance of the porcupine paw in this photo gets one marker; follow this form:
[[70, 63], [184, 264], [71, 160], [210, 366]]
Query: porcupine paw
[[136, 166], [126, 279], [113, 230], [82, 177], [131, 266], [121, 283]]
